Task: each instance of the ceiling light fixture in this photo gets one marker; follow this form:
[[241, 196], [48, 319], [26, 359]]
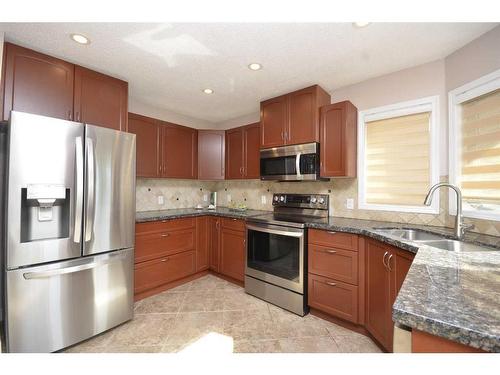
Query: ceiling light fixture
[[208, 91], [254, 66], [79, 38], [361, 24]]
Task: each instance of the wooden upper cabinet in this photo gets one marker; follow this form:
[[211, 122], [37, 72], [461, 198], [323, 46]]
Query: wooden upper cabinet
[[251, 142], [274, 121], [36, 83], [338, 140], [179, 145], [292, 118], [234, 153], [147, 133], [100, 99], [211, 154]]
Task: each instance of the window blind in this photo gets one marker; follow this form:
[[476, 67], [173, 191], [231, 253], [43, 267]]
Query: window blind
[[480, 149], [398, 160]]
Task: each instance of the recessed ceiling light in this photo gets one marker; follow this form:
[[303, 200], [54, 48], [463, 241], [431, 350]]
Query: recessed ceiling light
[[208, 91], [79, 38], [361, 24], [254, 66]]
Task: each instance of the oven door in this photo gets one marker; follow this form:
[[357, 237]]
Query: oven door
[[275, 254]]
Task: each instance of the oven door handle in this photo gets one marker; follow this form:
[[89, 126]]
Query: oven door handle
[[275, 231], [297, 165]]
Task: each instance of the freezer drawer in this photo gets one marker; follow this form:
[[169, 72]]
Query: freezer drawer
[[54, 306]]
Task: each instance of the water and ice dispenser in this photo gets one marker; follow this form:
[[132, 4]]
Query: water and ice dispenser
[[45, 212]]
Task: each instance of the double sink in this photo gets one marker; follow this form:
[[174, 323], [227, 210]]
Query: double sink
[[431, 239]]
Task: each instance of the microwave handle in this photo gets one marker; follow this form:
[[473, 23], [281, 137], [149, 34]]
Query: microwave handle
[[297, 165]]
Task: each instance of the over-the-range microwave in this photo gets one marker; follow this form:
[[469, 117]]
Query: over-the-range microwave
[[290, 163]]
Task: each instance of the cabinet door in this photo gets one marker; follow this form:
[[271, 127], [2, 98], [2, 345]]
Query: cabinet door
[[211, 154], [215, 225], [251, 151], [338, 128], [202, 243], [235, 154], [37, 83], [273, 121], [400, 264], [147, 133], [303, 123], [378, 306], [179, 151], [232, 254], [100, 99]]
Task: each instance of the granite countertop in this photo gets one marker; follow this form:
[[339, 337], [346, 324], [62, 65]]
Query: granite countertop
[[454, 295]]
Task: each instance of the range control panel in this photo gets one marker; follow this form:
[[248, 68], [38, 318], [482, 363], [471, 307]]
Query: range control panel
[[316, 201]]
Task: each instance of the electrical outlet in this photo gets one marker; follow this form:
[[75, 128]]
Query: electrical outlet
[[229, 198], [205, 197], [160, 199], [263, 199], [349, 203]]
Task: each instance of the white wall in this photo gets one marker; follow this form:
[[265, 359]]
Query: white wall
[[140, 108]]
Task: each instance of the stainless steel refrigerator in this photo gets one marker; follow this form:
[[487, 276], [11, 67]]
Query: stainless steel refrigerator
[[69, 232]]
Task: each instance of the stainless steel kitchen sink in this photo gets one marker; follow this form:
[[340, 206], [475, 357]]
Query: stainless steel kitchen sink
[[409, 234], [458, 246]]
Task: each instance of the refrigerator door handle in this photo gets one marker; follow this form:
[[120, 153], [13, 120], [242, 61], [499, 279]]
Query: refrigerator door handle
[[72, 269], [90, 211], [77, 233]]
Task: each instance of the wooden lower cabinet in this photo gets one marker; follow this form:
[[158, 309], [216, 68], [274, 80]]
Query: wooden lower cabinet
[[214, 243], [160, 271], [202, 243], [423, 342], [333, 297], [334, 263], [232, 254]]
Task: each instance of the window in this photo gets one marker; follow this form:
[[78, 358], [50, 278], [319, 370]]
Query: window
[[398, 160], [475, 146]]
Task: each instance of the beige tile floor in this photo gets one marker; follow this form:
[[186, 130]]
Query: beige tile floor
[[212, 315]]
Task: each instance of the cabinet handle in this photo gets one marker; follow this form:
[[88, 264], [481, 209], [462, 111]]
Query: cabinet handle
[[383, 259], [282, 136], [164, 234], [330, 283], [241, 171], [164, 259], [69, 115], [286, 136], [389, 262], [331, 232], [330, 251], [78, 116]]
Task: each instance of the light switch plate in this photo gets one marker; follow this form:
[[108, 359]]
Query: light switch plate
[[263, 199], [160, 199], [349, 203], [229, 198], [205, 197]]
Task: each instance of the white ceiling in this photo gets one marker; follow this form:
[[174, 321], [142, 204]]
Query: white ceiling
[[168, 65]]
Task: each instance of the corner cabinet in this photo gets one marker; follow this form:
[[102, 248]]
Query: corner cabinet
[[242, 152], [211, 154], [338, 139], [148, 155], [179, 145], [292, 118], [386, 269]]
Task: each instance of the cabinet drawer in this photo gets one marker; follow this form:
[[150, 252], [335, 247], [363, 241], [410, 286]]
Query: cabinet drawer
[[165, 225], [340, 240], [338, 264], [156, 244], [234, 224], [164, 270], [333, 297]]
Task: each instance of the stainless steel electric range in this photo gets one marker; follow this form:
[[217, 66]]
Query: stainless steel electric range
[[276, 261]]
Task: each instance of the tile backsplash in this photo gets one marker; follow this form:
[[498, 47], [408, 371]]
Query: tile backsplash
[[189, 193]]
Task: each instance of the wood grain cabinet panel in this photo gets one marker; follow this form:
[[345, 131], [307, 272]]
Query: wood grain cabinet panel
[[338, 264], [164, 270], [202, 243], [251, 137], [148, 157], [179, 151], [211, 154], [234, 154], [274, 121], [242, 152], [341, 240], [100, 99], [232, 254], [36, 83], [233, 224], [333, 297], [338, 140], [215, 239], [153, 245]]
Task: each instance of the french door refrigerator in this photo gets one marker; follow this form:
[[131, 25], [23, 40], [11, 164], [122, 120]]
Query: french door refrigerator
[[69, 232]]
